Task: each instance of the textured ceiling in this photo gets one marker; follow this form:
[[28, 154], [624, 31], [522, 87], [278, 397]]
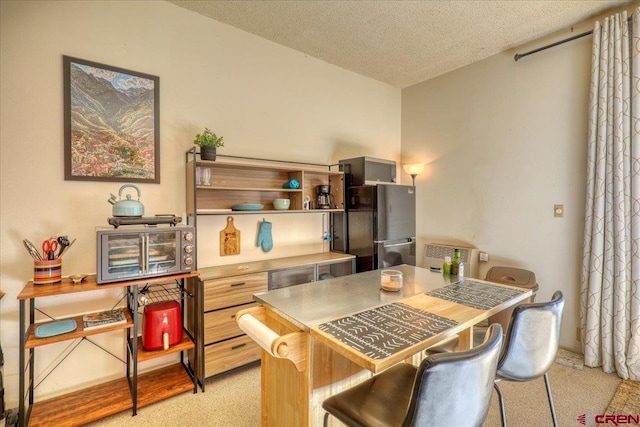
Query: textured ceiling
[[401, 42]]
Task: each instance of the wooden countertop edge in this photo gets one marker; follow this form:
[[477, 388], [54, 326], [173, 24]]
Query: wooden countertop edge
[[238, 269], [66, 285]]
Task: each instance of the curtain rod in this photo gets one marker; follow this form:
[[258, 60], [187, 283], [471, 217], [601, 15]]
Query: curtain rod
[[531, 52]]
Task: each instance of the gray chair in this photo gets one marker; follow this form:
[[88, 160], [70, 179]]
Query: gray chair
[[530, 346], [449, 389], [511, 276]]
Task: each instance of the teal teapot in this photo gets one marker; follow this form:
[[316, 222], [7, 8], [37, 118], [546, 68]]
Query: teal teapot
[[126, 207]]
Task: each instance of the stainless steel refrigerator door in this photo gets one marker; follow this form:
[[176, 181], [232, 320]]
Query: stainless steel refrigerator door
[[361, 242], [396, 212], [396, 253], [361, 224], [339, 232]]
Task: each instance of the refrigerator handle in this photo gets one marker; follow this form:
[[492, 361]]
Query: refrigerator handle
[[409, 240]]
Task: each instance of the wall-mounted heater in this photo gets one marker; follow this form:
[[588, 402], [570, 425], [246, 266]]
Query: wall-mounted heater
[[434, 254]]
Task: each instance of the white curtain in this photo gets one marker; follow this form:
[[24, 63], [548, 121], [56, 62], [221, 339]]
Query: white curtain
[[610, 285]]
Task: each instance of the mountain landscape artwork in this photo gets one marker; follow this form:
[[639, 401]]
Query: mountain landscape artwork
[[111, 123]]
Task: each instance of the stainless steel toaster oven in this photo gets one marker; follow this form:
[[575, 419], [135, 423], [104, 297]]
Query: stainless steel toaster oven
[[134, 253]]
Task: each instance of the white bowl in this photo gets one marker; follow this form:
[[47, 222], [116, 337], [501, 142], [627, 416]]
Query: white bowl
[[281, 204], [77, 278]]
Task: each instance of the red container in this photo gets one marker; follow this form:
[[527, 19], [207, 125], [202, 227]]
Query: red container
[[161, 325]]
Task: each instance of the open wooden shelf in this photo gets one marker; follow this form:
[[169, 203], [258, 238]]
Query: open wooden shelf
[[100, 401], [33, 341], [89, 284], [272, 189], [184, 344], [269, 211], [236, 181]]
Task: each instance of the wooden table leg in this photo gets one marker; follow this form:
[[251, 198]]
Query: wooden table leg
[[465, 339]]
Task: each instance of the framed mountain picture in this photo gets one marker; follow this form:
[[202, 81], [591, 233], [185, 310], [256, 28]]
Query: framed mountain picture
[[111, 123]]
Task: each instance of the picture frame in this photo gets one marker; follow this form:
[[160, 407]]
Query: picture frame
[[111, 123]]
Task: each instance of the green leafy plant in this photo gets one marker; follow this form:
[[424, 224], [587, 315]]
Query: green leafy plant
[[208, 138]]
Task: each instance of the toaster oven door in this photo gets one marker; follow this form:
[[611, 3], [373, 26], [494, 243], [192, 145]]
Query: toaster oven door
[[120, 257], [125, 255], [163, 252]]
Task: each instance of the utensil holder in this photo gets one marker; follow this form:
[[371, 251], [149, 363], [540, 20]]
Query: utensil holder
[[47, 271]]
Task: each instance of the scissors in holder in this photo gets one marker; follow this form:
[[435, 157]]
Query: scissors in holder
[[49, 248]]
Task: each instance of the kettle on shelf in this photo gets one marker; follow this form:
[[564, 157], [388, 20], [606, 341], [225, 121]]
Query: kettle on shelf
[[126, 207]]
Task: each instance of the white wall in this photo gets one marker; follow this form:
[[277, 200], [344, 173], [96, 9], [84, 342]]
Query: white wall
[[504, 142], [268, 101]]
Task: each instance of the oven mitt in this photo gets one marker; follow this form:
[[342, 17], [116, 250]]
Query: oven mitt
[[264, 236]]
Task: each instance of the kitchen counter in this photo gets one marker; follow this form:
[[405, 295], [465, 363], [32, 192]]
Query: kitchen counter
[[229, 288], [230, 270], [310, 304], [315, 342]]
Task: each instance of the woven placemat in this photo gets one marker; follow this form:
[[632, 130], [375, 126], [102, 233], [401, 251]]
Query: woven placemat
[[482, 296], [385, 330], [626, 400]]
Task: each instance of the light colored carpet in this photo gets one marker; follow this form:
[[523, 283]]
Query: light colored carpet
[[233, 400], [575, 393]]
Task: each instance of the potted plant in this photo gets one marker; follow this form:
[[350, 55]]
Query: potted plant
[[208, 142]]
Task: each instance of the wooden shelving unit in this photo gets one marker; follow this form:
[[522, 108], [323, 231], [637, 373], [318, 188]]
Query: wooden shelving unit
[[241, 180], [100, 401], [127, 393], [228, 289]]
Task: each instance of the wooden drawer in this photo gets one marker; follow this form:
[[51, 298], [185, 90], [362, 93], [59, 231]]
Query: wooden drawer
[[230, 354], [222, 293], [221, 324]]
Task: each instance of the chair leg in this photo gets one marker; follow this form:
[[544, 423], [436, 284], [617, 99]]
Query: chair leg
[[326, 419], [503, 416], [553, 410]]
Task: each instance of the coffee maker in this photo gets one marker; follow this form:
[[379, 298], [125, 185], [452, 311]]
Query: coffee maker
[[324, 197]]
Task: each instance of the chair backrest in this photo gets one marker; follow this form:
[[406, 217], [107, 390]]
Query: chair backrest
[[454, 389], [532, 340]]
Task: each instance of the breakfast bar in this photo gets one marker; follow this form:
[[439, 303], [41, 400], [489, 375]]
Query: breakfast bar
[[320, 338]]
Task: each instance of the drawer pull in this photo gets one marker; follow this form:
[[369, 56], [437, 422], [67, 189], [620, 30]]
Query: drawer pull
[[238, 284], [235, 347]]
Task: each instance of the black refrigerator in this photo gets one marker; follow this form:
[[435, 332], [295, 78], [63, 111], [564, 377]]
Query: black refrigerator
[[381, 225]]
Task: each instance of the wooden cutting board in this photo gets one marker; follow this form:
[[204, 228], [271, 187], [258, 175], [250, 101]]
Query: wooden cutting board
[[230, 239]]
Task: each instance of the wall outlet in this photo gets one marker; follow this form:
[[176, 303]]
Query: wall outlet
[[483, 256]]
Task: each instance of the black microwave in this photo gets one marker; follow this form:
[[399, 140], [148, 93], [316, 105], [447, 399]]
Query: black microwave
[[135, 253], [368, 171]]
